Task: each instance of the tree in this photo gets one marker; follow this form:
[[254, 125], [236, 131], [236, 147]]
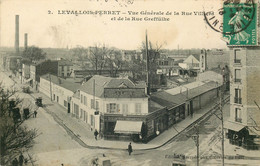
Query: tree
[[115, 61], [98, 56], [33, 54], [15, 138], [154, 52], [81, 54]]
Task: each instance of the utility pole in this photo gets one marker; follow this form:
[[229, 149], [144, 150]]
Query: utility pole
[[196, 140], [222, 128], [147, 63], [50, 86]]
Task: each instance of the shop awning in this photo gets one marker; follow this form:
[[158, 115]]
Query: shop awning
[[254, 130], [233, 126], [128, 127]]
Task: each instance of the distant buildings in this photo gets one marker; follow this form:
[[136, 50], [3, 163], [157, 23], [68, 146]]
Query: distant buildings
[[194, 64]]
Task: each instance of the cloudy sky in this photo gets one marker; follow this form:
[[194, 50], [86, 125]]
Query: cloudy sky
[[62, 30]]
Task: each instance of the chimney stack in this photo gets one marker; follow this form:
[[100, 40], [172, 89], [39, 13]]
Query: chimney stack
[[25, 41], [16, 34]]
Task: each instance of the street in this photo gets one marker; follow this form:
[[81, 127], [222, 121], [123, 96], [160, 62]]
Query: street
[[55, 146]]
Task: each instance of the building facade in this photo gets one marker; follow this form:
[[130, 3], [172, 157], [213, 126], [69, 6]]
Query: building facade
[[99, 100], [244, 97]]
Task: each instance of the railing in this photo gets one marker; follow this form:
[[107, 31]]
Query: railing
[[238, 100]]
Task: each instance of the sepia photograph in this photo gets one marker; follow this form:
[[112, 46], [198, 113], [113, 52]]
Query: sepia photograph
[[129, 83]]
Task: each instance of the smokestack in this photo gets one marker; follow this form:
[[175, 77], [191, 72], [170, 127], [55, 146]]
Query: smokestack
[[25, 41], [16, 34]]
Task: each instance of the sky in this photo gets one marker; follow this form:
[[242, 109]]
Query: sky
[[62, 30]]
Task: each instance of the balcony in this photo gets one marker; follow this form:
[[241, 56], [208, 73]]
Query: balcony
[[238, 120], [238, 100], [237, 80]]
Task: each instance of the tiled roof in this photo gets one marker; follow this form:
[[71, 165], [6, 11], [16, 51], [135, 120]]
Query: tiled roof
[[102, 82], [196, 56], [71, 85], [169, 99]]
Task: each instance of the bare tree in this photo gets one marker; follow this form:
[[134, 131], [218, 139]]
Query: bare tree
[[97, 57], [15, 138], [115, 62], [80, 53]]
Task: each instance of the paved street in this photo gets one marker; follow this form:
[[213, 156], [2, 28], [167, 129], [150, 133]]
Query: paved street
[[55, 145]]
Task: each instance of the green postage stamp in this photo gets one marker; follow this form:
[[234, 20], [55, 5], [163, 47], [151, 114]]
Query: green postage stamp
[[240, 23]]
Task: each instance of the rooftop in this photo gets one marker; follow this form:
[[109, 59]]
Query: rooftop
[[69, 83], [102, 82], [179, 95]]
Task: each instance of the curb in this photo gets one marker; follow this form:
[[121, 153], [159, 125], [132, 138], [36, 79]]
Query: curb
[[83, 144]]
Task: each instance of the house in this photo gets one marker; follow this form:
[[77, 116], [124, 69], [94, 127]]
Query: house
[[59, 89], [243, 125], [194, 64], [64, 68], [105, 102], [41, 68]]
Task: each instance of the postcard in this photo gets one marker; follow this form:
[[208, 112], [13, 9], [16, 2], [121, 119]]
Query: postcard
[[129, 82]]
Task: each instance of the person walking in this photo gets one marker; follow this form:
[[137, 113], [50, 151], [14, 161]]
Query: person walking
[[35, 114], [96, 134], [130, 149], [21, 158]]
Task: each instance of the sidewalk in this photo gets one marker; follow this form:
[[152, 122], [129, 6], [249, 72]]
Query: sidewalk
[[81, 131]]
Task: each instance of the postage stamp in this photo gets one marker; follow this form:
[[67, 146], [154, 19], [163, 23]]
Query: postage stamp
[[240, 23], [237, 21]]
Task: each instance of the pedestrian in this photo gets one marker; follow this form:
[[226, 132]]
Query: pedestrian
[[96, 134], [35, 114], [15, 162], [130, 149], [21, 158]]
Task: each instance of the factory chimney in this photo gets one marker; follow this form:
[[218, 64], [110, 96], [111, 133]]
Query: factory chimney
[[25, 41], [16, 45]]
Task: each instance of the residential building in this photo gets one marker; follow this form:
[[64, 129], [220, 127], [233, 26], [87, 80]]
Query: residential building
[[102, 101], [64, 68], [243, 124], [59, 89], [194, 64], [39, 69]]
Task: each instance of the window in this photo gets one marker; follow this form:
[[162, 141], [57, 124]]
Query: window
[[54, 97], [81, 98], [97, 105], [85, 100], [65, 103], [237, 75], [125, 108], [238, 115], [237, 58], [238, 98], [86, 117], [92, 103], [112, 108], [138, 108], [81, 113], [92, 120], [57, 98], [76, 110]]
